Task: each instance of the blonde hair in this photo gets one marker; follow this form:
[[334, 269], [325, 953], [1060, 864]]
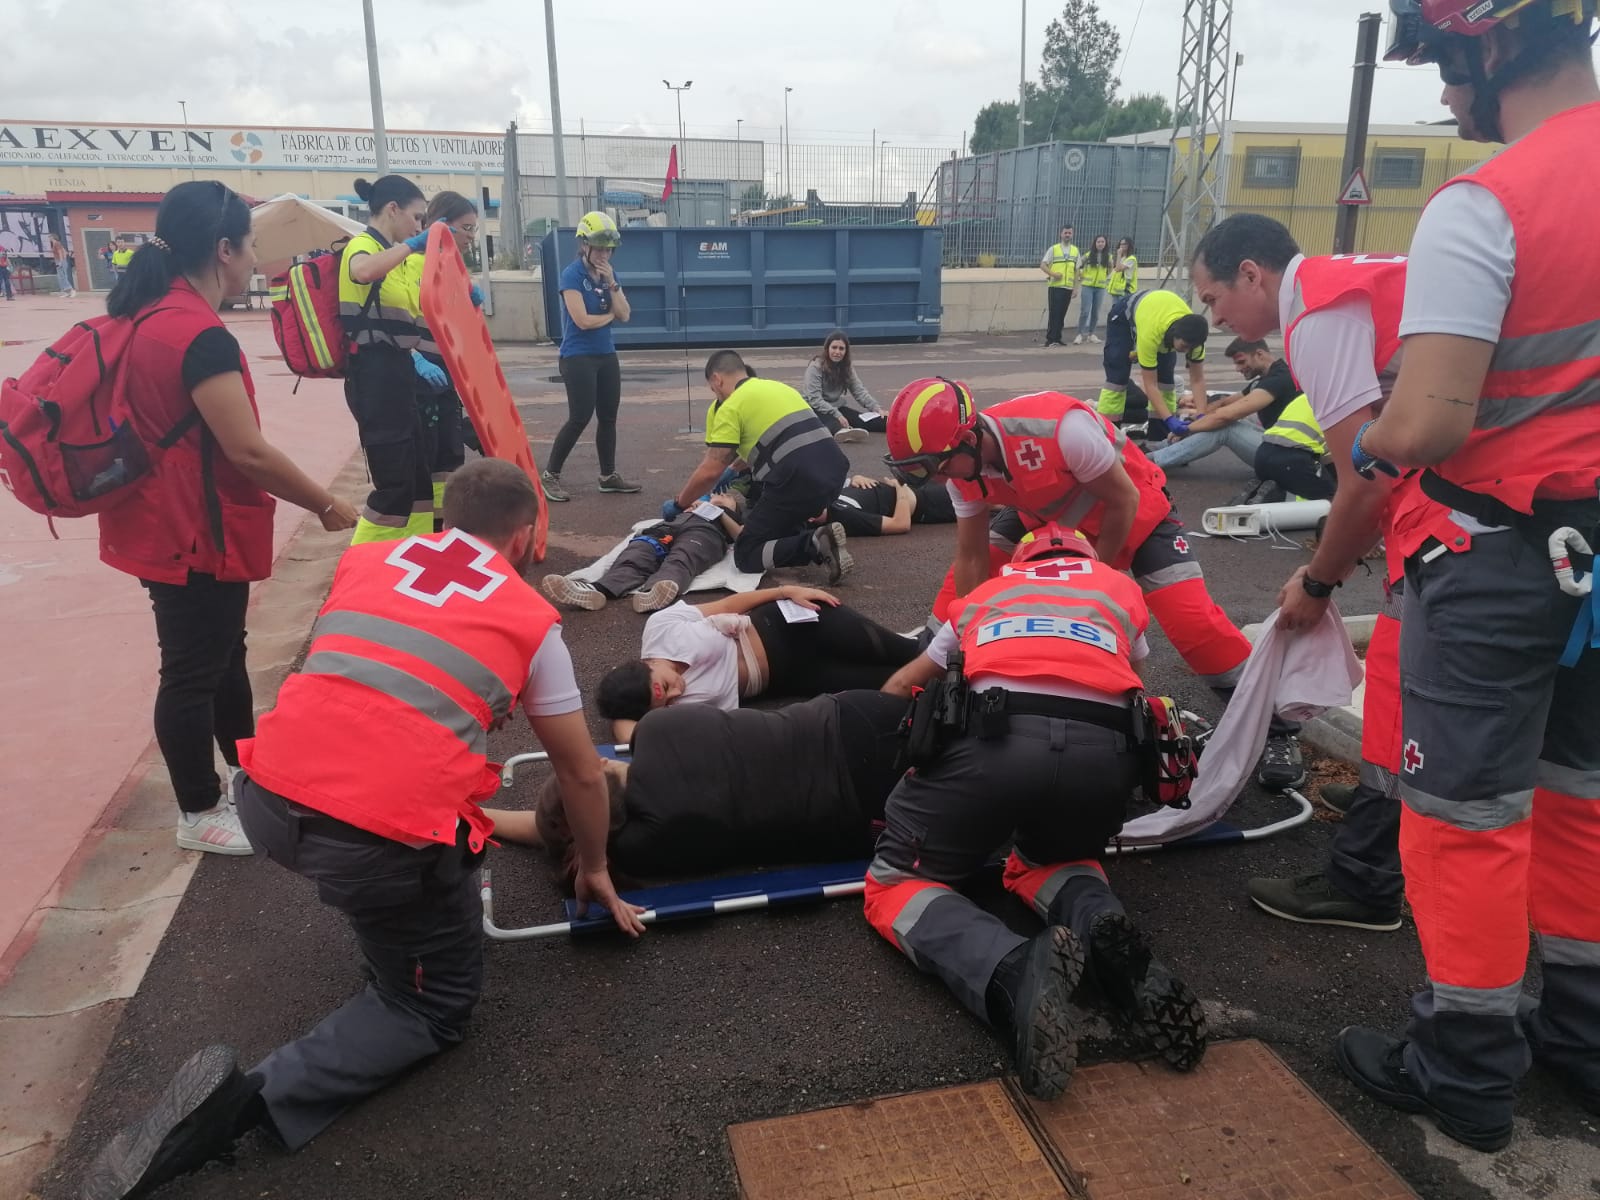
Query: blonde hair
[[555, 831]]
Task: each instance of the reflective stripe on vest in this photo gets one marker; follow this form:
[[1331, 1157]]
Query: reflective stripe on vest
[[404, 687], [391, 317], [1101, 608], [435, 651], [1061, 257], [790, 433], [1124, 281], [1297, 426]]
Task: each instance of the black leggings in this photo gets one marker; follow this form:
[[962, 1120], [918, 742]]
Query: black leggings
[[204, 693], [594, 390], [874, 751], [841, 649]]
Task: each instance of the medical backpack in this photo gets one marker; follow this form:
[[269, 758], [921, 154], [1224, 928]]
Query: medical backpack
[[305, 317]]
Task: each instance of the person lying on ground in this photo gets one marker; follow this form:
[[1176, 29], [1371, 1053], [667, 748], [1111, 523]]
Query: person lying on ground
[[783, 641], [869, 507], [708, 789], [836, 393], [659, 562]]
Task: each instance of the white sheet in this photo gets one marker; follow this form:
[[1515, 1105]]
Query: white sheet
[[1297, 674], [724, 576]]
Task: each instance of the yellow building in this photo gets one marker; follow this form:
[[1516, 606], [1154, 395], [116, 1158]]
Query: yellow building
[[1294, 173]]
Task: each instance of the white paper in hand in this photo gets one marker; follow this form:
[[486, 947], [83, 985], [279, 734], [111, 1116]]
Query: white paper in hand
[[796, 614], [706, 510]]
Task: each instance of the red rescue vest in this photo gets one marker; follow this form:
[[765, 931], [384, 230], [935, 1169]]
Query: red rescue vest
[[1537, 432], [421, 647], [197, 511], [1038, 483], [1070, 620], [1381, 279]]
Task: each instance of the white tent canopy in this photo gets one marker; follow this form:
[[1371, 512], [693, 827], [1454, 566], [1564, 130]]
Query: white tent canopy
[[288, 225]]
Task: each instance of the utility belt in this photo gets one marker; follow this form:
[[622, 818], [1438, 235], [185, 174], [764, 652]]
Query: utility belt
[[948, 709], [1534, 528]]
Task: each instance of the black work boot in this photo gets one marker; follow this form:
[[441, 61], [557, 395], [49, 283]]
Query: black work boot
[[1159, 1003], [1584, 1092], [208, 1105], [1044, 1042], [1338, 796], [1375, 1063]]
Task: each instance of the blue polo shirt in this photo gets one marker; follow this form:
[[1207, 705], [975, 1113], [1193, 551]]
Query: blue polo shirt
[[596, 300]]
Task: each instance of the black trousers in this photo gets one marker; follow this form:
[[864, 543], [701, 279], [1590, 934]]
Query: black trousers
[[1058, 300], [874, 751], [777, 528], [1298, 471], [841, 649], [418, 919], [380, 388], [594, 393], [204, 695]]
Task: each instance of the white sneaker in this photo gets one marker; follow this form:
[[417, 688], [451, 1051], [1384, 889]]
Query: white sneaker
[[1078, 341], [657, 596], [1094, 339], [852, 434], [216, 831], [574, 593]]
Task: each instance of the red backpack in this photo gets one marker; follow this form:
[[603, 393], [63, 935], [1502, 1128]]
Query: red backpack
[[305, 316], [68, 447]]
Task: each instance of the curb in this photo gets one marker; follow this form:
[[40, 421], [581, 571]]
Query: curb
[[82, 954]]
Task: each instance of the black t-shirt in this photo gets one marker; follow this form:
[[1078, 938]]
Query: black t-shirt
[[1282, 387], [214, 351], [861, 510], [710, 789]]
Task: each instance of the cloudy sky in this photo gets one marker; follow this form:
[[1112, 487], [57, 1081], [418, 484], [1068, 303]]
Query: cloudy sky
[[910, 71]]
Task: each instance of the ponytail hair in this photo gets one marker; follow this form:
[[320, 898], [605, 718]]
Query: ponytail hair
[[449, 207], [390, 189], [193, 219]]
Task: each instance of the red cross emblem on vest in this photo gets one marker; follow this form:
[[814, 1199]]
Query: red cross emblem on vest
[[1180, 544], [1412, 757], [1030, 454], [437, 569]]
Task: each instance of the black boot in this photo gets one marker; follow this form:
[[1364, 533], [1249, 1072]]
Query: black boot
[[1375, 1063], [1165, 1010], [1032, 998], [208, 1105]]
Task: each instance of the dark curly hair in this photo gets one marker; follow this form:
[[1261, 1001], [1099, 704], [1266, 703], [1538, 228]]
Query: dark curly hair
[[624, 693]]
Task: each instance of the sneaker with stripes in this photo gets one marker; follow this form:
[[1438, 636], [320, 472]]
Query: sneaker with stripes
[[216, 831]]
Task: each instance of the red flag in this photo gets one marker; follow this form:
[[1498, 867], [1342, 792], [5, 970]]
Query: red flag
[[672, 175]]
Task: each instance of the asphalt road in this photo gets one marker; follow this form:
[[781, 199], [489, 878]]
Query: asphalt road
[[604, 1069]]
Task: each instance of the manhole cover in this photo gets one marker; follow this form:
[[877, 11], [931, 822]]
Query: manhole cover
[[1240, 1125]]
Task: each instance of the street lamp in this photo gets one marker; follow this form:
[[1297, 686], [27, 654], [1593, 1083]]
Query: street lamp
[[788, 180], [380, 137], [188, 144], [883, 162], [677, 93]]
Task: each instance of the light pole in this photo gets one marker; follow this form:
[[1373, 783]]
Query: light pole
[[738, 149], [183, 105], [788, 180], [883, 163], [380, 138], [1022, 80], [557, 143], [677, 93]]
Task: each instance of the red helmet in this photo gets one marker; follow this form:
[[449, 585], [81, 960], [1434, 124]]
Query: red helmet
[[926, 422], [1051, 541], [1421, 25]]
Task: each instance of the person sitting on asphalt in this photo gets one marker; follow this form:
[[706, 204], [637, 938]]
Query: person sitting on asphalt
[[796, 470], [755, 644], [836, 393], [1152, 328], [366, 779], [1044, 757], [707, 789], [868, 507], [659, 562], [1267, 391]]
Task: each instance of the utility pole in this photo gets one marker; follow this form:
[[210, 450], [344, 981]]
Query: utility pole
[[677, 93], [1022, 80], [788, 179], [560, 152], [1196, 193], [1355, 137], [380, 136], [188, 143]]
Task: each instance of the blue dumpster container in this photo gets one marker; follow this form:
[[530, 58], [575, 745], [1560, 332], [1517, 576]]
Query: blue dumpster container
[[741, 286]]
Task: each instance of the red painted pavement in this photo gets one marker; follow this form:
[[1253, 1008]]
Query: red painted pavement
[[78, 668]]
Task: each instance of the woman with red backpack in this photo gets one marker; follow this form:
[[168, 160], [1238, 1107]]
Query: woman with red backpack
[[198, 531]]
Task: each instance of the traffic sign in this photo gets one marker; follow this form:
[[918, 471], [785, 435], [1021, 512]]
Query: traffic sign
[[1356, 190]]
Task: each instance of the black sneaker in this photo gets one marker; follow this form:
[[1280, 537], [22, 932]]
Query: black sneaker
[[204, 1110], [1270, 493], [828, 542], [1375, 1063], [1045, 1042], [1338, 796], [1313, 900], [616, 483], [1251, 487], [1166, 1011], [1281, 766]]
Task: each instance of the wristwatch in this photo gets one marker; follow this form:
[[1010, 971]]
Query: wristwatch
[[1316, 589]]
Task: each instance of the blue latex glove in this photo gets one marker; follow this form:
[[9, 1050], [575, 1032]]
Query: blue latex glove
[[670, 509], [1364, 463], [1176, 425], [726, 480], [418, 242], [430, 373], [477, 296]]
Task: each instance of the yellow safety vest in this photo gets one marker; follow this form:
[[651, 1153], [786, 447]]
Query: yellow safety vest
[[1297, 426], [392, 317], [1063, 265], [1125, 281], [1094, 277], [121, 257]]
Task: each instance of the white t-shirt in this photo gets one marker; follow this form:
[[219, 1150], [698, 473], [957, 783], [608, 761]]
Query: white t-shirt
[[1331, 352], [1089, 454], [552, 687], [709, 649]]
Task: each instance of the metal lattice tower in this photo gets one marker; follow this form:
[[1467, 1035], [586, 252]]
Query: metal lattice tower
[[1195, 195]]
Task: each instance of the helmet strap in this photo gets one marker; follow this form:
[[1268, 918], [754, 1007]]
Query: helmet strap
[[1485, 93]]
